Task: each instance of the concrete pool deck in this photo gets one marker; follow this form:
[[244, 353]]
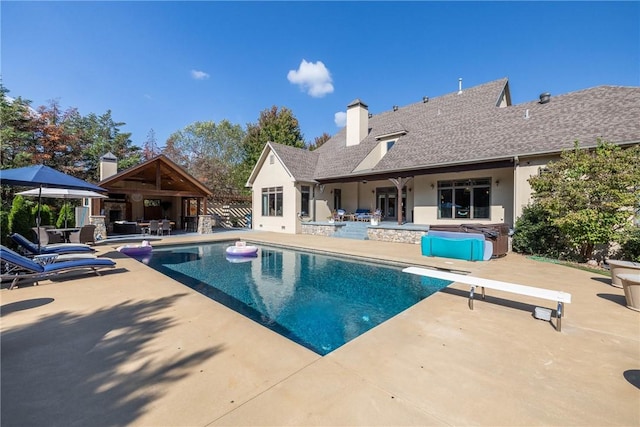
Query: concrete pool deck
[[134, 347]]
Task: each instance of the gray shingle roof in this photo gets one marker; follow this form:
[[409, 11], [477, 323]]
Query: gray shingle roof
[[301, 163], [471, 128]]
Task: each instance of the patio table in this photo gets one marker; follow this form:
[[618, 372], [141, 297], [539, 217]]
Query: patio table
[[65, 232]]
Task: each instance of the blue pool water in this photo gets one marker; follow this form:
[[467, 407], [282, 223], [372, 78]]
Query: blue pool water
[[318, 301]]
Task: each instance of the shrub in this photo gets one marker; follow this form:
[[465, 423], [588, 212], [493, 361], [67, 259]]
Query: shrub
[[630, 246], [4, 227], [536, 235], [20, 218], [45, 214], [66, 212]]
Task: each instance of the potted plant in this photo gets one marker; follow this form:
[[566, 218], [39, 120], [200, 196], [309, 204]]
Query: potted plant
[[375, 218]]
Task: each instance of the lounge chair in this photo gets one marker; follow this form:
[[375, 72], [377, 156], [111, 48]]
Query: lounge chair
[[16, 267], [59, 248]]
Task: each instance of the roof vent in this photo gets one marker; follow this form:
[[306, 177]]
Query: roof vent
[[545, 97], [370, 115], [395, 108], [459, 85], [425, 99]]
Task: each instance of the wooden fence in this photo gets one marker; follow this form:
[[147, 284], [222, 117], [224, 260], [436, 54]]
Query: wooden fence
[[229, 215]]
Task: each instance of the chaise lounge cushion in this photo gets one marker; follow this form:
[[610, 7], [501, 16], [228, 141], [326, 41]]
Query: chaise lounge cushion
[[58, 248], [363, 214], [16, 266]]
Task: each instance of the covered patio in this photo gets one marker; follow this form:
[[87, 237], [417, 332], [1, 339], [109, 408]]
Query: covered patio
[[157, 189]]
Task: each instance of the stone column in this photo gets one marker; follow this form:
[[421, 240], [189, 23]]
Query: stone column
[[101, 228], [205, 224]]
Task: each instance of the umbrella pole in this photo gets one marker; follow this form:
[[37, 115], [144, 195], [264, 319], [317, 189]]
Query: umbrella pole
[[38, 217]]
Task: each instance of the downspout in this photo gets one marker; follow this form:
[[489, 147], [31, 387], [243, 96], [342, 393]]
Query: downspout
[[313, 200], [516, 169]]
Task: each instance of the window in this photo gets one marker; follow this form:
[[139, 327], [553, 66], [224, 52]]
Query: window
[[305, 191], [272, 201], [464, 199], [390, 144], [271, 263], [337, 198]]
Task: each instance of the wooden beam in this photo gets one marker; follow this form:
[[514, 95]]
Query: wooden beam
[[158, 177], [400, 182]]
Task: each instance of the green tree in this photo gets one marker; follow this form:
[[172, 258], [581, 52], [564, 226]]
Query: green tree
[[273, 125], [17, 136], [591, 195], [101, 135], [210, 152], [17, 130]]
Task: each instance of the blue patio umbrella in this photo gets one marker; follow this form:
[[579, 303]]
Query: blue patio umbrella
[[43, 176]]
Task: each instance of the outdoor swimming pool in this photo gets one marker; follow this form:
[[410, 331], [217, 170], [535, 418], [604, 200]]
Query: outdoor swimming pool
[[318, 301]]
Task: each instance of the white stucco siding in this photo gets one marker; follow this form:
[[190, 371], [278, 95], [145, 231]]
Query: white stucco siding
[[526, 168], [275, 175]]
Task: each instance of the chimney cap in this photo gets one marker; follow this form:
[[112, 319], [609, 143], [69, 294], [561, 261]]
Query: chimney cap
[[545, 97], [357, 102], [109, 156]]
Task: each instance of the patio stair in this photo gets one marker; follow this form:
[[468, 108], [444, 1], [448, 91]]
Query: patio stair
[[353, 230]]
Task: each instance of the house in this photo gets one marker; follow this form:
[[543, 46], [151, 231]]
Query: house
[[461, 158], [155, 189]]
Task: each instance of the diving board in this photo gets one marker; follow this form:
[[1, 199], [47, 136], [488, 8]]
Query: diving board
[[558, 296]]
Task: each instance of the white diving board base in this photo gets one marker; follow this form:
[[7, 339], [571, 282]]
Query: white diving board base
[[558, 296]]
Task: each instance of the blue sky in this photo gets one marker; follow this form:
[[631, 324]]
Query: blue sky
[[165, 65]]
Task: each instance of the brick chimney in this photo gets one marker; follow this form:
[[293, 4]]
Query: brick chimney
[[108, 166], [357, 122]]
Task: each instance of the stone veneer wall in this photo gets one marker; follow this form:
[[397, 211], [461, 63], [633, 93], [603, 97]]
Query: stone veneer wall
[[321, 229], [397, 235], [205, 224], [101, 228]]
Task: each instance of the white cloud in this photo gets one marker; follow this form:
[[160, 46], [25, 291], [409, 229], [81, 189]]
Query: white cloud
[[199, 75], [315, 79], [340, 118]]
